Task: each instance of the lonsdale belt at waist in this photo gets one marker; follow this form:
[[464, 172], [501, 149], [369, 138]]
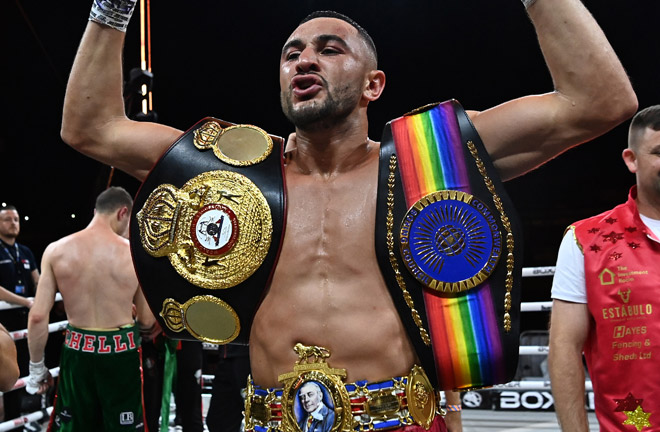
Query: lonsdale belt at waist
[[314, 398]]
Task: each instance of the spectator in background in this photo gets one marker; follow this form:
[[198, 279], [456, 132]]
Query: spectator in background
[[19, 275], [18, 268]]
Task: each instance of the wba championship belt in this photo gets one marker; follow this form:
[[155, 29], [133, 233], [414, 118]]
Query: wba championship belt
[[450, 247], [206, 228]]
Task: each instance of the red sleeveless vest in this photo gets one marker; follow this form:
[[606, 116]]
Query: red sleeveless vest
[[622, 272]]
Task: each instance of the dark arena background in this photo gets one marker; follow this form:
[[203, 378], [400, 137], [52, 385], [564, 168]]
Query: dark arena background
[[220, 58]]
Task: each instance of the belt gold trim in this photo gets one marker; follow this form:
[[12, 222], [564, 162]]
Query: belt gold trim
[[314, 387]]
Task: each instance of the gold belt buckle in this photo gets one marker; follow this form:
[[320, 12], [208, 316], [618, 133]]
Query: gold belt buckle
[[314, 393], [258, 410], [314, 397], [421, 397]]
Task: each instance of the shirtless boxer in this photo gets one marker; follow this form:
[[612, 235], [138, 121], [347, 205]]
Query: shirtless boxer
[[327, 289], [100, 383]]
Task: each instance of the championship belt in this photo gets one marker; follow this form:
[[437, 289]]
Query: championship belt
[[206, 229], [450, 247], [315, 397]]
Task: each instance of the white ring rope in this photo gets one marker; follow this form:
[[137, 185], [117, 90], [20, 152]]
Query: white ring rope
[[54, 372], [532, 385], [538, 271], [52, 328], [28, 418], [545, 306], [4, 305]]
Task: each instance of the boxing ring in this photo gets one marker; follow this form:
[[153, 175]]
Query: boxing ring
[[529, 393]]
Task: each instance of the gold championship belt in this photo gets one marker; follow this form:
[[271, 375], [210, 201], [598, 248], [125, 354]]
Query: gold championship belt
[[206, 228], [315, 397]]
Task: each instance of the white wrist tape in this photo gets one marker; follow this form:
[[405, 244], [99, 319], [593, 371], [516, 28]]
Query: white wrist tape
[[113, 13], [528, 3], [38, 373]]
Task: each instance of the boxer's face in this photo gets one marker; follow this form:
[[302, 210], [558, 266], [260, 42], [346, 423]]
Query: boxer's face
[[323, 71]]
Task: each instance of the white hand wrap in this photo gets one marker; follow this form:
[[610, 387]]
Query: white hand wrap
[[38, 373], [113, 13], [528, 3]]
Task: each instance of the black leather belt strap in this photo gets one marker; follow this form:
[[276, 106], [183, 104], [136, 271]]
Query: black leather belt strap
[[182, 162], [406, 291]]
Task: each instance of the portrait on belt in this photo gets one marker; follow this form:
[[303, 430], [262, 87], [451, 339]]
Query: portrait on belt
[[314, 408]]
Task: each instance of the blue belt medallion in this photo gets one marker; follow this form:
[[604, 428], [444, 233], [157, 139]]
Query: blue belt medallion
[[450, 241]]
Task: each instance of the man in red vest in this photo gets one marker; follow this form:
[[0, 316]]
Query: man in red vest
[[606, 293]]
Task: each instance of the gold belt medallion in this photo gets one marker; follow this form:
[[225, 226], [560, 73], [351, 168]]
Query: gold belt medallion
[[237, 145], [422, 402], [314, 397], [216, 230], [207, 318], [314, 393]]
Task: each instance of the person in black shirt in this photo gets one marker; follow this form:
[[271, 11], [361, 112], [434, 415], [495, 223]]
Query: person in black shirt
[[18, 268], [18, 281]]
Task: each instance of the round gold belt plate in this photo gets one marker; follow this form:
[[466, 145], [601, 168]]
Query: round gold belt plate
[[238, 145], [216, 230], [224, 231], [207, 318]]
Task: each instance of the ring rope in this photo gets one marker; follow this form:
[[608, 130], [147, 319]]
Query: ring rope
[[28, 418]]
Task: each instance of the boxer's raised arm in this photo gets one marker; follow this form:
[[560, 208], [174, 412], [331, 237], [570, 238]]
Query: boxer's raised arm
[[592, 93], [94, 121]]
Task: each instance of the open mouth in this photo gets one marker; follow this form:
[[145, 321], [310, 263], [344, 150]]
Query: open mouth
[[306, 86]]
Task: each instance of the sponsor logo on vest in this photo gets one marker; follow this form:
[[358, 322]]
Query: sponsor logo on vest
[[623, 331], [607, 277], [625, 296], [627, 311], [621, 275]]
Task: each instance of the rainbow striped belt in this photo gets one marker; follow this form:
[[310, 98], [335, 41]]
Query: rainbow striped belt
[[444, 216]]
